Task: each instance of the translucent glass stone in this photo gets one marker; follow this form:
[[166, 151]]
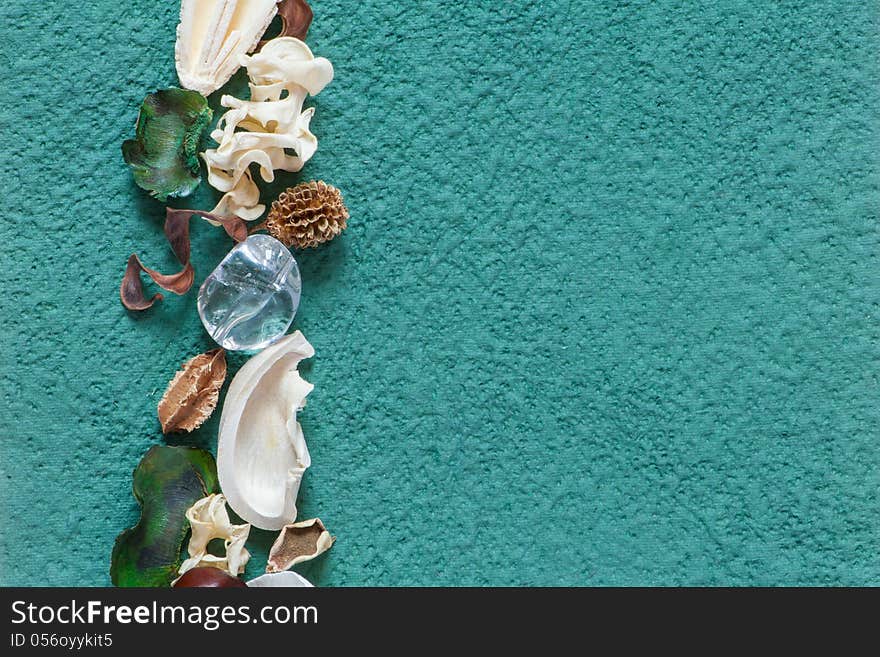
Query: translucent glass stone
[[250, 299]]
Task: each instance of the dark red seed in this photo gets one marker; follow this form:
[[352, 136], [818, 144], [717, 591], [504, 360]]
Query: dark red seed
[[208, 577]]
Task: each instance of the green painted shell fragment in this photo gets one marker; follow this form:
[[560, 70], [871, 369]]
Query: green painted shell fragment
[[167, 481], [164, 155]]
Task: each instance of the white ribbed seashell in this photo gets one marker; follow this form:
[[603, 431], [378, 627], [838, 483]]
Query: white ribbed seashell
[[261, 452], [213, 35]]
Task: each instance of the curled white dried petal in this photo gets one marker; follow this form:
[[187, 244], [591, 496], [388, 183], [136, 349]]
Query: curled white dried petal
[[209, 519], [271, 129], [242, 200]]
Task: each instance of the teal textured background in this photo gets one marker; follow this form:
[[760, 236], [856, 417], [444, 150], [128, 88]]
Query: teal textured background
[[606, 312]]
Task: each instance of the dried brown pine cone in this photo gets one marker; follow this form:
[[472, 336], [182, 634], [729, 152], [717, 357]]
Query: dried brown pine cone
[[307, 215]]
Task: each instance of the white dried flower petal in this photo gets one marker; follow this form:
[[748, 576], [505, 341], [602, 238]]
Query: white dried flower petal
[[213, 35], [268, 130], [209, 519]]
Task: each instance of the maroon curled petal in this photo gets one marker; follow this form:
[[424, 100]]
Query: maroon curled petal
[[177, 232], [296, 17], [131, 290]]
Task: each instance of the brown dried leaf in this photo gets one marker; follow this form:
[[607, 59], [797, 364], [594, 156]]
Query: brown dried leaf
[[297, 543], [131, 291], [296, 17], [193, 392]]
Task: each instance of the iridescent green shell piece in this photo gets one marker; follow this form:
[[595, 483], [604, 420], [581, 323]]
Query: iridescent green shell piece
[[167, 481], [164, 155]]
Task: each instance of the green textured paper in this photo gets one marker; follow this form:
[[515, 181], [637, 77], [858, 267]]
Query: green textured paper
[[606, 311]]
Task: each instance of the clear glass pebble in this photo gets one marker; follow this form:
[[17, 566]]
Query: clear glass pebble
[[250, 299]]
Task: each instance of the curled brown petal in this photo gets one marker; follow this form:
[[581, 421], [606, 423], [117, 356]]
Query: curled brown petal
[[296, 17], [131, 290]]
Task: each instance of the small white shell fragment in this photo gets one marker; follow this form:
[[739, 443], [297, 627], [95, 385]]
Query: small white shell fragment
[[270, 129], [212, 36], [261, 452], [209, 520], [287, 578]]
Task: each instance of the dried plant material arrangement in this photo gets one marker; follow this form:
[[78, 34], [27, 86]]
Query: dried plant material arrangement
[[307, 215], [247, 303], [297, 543], [163, 156], [192, 394], [167, 481]]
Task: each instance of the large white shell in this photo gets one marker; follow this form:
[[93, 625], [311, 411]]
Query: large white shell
[[261, 451], [287, 578], [212, 36]]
